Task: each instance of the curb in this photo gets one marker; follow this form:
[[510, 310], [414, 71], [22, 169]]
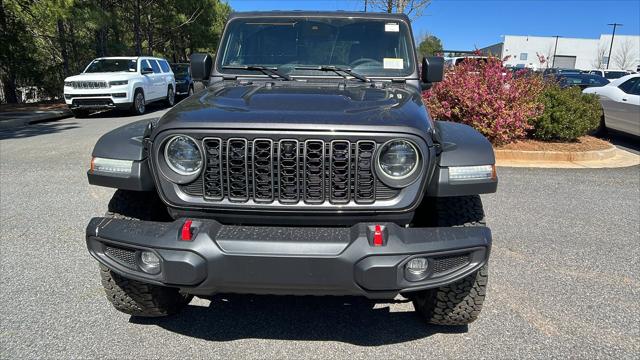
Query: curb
[[620, 159], [519, 155], [23, 119]]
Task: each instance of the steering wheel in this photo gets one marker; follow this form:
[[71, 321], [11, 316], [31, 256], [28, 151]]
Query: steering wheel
[[363, 61]]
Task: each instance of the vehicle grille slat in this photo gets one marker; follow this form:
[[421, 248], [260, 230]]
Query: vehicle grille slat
[[262, 160], [288, 173], [340, 166], [237, 169], [365, 188], [213, 188], [314, 171]]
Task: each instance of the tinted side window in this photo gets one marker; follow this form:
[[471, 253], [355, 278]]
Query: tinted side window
[[165, 66], [154, 66], [629, 85], [144, 64]]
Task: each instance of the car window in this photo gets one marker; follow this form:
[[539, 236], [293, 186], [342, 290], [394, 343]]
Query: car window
[[372, 47], [165, 66], [155, 66], [614, 74], [144, 64], [630, 85], [111, 65]]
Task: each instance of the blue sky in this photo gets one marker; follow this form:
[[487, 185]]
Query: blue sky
[[466, 24]]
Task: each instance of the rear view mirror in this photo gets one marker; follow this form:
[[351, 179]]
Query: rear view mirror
[[146, 71], [432, 69], [201, 64]]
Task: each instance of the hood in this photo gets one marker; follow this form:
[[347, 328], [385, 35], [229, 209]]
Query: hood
[[302, 106], [103, 76]]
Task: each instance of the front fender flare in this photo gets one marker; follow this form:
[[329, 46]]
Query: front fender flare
[[124, 143], [461, 145]]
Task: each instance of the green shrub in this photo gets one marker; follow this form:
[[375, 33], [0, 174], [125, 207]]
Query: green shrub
[[568, 114]]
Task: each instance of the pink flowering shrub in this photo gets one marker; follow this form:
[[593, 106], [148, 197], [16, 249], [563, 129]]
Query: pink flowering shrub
[[488, 97]]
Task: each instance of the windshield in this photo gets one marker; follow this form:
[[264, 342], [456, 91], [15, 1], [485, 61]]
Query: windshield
[[112, 65], [591, 80], [180, 70], [614, 74], [371, 47]]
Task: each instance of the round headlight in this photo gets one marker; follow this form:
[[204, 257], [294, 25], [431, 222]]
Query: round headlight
[[183, 155], [398, 159]]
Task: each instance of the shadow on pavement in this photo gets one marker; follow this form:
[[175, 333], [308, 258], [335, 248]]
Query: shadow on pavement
[[624, 141], [106, 114], [347, 319], [36, 129]]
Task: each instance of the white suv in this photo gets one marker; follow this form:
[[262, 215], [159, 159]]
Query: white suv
[[120, 82]]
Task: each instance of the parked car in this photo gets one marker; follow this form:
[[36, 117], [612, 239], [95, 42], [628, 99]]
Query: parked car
[[128, 83], [583, 81], [610, 74], [184, 82], [299, 173], [620, 101], [556, 71], [453, 61]]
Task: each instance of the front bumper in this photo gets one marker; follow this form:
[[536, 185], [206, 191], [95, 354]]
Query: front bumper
[[288, 260], [104, 98]]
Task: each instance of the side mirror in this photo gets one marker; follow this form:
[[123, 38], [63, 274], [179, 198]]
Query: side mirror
[[146, 71], [432, 69], [201, 65]]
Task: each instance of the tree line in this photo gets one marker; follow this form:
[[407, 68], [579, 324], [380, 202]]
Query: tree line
[[42, 42]]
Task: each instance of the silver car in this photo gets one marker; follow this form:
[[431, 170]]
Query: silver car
[[620, 101]]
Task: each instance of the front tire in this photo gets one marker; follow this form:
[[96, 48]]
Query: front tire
[[131, 296], [171, 97], [140, 299], [458, 303], [139, 103]]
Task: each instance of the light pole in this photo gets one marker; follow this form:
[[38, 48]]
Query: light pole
[[553, 62], [615, 25]]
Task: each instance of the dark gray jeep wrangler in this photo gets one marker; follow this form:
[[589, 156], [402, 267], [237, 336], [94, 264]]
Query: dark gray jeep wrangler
[[308, 166]]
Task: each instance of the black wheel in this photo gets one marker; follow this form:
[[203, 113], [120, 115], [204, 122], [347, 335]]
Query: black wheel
[[171, 97], [139, 299], [135, 297], [457, 303], [78, 113], [139, 106]]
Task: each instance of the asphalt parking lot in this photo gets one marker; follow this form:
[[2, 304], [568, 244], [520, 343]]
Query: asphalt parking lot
[[564, 279]]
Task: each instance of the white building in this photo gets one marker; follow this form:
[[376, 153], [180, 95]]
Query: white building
[[538, 52]]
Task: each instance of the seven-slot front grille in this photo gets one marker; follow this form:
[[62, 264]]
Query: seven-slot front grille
[[90, 85], [288, 171]]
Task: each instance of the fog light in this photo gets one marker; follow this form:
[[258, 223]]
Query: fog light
[[417, 266], [149, 262]]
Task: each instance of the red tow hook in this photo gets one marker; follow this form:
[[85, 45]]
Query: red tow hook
[[186, 231], [378, 240]]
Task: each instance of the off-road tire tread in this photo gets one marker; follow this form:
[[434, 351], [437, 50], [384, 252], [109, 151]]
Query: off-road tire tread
[[139, 299], [458, 303], [130, 296]]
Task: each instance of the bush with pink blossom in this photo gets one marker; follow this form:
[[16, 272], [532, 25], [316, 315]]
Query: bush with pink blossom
[[485, 95]]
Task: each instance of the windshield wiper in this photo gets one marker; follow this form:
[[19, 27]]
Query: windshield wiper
[[336, 69], [265, 70]]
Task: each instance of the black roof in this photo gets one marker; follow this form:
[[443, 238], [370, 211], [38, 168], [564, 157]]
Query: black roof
[[302, 13]]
